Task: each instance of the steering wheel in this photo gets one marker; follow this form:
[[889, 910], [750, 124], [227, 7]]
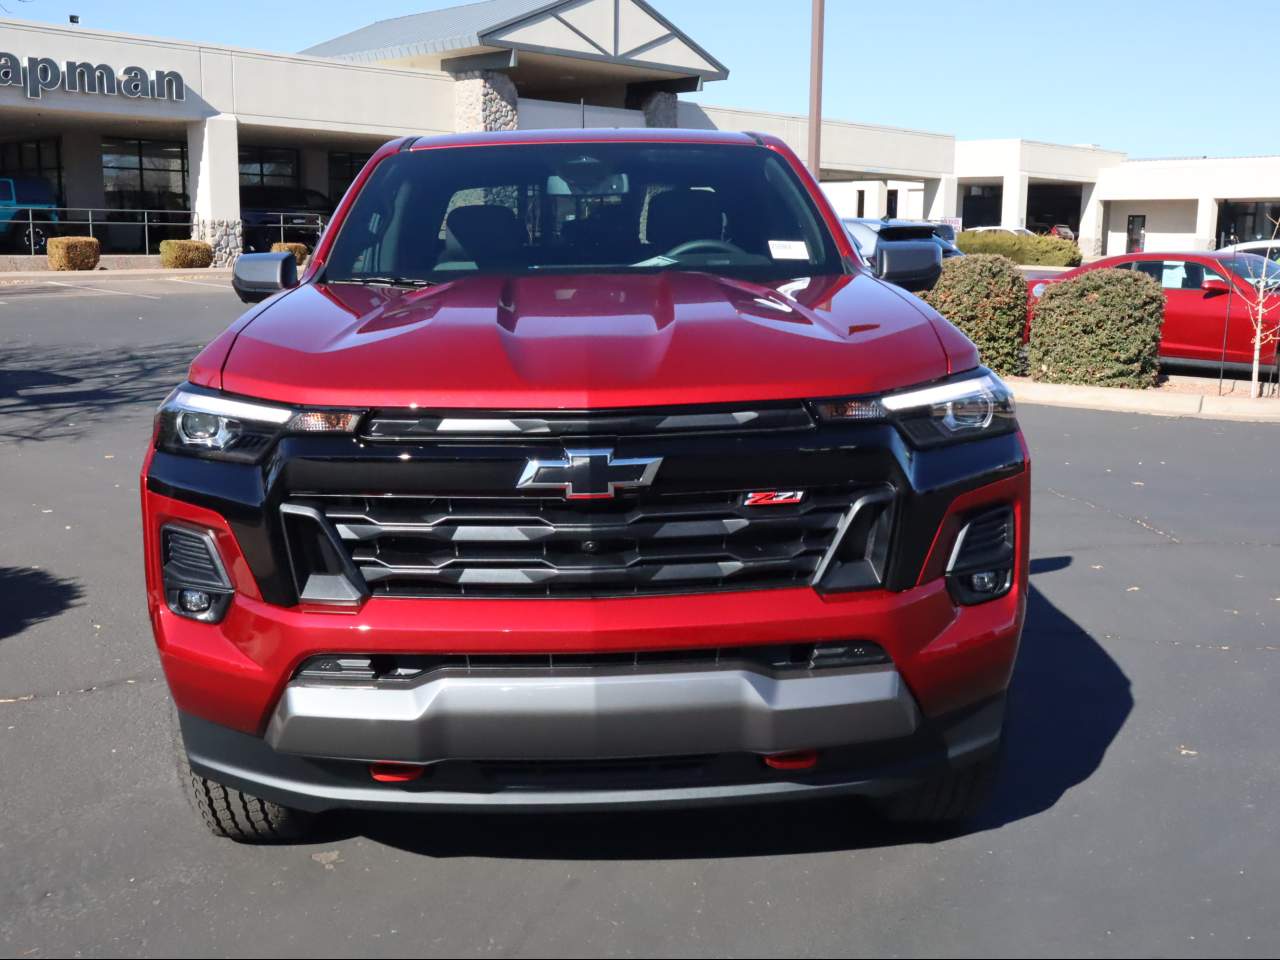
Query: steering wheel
[[702, 246]]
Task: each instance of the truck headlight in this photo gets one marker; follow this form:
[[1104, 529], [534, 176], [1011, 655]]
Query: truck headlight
[[974, 405], [206, 423]]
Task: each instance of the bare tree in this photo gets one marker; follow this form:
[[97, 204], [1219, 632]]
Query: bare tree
[[1263, 303]]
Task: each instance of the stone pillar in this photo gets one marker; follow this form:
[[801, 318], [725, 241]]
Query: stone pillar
[[1013, 202], [940, 198], [484, 100], [660, 109], [1206, 224], [213, 159], [1090, 238]]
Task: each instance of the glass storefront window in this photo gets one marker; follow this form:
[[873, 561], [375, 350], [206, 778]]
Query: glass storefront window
[[268, 167], [144, 174], [1241, 221], [343, 168], [34, 158]]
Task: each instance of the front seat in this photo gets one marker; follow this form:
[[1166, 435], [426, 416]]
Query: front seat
[[487, 235], [677, 216]]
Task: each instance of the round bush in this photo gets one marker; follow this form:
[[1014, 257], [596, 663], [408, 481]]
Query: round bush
[[299, 250], [73, 253], [1102, 328], [185, 254], [986, 297], [1040, 251]]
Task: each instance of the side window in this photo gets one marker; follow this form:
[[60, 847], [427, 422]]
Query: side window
[[1152, 268], [6, 191]]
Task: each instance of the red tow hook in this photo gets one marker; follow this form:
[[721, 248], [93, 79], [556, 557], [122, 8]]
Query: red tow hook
[[795, 760], [395, 772]]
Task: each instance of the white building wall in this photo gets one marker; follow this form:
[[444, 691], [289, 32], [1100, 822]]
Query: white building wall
[[551, 115], [1171, 225]]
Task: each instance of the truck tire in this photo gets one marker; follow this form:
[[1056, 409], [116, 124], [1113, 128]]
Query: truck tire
[[241, 816], [238, 816], [955, 797]]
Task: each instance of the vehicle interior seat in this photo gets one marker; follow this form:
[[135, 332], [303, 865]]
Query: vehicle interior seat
[[482, 235], [678, 216]]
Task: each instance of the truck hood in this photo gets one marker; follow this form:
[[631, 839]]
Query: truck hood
[[581, 342]]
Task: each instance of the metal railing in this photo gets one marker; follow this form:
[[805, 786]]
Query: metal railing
[[28, 229], [263, 228]]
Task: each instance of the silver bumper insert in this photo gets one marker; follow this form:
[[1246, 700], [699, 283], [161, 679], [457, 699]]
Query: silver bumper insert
[[508, 716]]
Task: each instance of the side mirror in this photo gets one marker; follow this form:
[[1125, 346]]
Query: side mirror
[[913, 265], [1215, 285], [257, 276]]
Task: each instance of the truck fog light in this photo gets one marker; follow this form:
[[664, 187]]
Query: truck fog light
[[986, 581], [195, 601]]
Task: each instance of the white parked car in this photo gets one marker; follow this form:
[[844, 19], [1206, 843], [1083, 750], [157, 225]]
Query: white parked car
[[1263, 248], [1020, 231]]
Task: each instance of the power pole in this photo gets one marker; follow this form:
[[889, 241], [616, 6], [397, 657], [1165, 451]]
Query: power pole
[[815, 90]]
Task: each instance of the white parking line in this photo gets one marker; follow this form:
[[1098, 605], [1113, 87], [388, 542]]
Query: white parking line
[[201, 283], [116, 293]]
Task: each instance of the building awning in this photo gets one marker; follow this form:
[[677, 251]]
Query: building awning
[[628, 36]]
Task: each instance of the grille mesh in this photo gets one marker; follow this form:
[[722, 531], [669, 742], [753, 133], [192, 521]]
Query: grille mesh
[[527, 546]]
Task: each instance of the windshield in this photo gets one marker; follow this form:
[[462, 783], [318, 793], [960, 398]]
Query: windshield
[[516, 209], [1255, 269]]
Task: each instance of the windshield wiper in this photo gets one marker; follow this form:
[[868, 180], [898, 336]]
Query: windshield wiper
[[383, 281]]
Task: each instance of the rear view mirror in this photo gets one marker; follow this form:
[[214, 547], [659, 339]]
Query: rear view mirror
[[257, 276], [911, 264], [1215, 285]]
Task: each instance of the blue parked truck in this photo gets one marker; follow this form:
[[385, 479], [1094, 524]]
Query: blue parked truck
[[27, 208]]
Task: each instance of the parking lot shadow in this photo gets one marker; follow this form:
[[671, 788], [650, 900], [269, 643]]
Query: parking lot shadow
[[48, 394], [28, 596], [1068, 701]]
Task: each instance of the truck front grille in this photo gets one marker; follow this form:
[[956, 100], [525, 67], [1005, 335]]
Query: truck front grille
[[420, 546]]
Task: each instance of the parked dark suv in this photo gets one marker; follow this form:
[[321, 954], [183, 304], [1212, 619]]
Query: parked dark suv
[[282, 215]]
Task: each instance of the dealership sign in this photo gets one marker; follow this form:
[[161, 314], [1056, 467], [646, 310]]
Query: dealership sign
[[39, 74]]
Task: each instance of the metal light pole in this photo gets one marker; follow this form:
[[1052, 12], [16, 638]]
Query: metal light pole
[[815, 89]]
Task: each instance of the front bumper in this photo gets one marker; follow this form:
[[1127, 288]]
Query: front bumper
[[249, 763], [614, 714]]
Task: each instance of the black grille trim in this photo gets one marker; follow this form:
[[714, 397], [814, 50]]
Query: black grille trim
[[648, 543]]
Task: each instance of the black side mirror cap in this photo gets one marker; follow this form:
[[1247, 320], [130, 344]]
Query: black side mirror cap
[[914, 265], [257, 276]]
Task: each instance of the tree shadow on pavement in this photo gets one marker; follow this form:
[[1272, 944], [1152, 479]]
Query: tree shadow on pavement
[[1068, 701], [50, 394], [28, 596]]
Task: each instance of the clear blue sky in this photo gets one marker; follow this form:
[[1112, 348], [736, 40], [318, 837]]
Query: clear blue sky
[[1151, 77]]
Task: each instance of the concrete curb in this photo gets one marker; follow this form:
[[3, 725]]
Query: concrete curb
[[11, 278], [1264, 410]]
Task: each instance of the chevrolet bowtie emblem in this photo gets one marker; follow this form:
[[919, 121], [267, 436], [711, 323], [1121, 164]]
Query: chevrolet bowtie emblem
[[589, 474]]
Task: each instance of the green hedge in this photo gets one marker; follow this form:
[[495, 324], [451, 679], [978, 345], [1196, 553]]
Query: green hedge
[[1101, 328], [1040, 251], [986, 297], [185, 254]]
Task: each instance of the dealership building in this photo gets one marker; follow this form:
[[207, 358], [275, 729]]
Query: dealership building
[[139, 138]]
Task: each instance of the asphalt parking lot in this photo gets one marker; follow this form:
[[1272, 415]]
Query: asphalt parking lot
[[1137, 813]]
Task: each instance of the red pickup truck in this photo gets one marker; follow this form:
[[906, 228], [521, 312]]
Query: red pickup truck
[[1208, 298], [584, 469]]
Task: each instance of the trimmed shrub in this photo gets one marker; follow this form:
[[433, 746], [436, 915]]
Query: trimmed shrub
[[986, 297], [73, 253], [1101, 328], [1040, 251], [299, 250], [185, 254]]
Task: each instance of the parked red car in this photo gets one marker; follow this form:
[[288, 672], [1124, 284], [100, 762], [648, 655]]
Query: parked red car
[[1208, 299], [584, 469]]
